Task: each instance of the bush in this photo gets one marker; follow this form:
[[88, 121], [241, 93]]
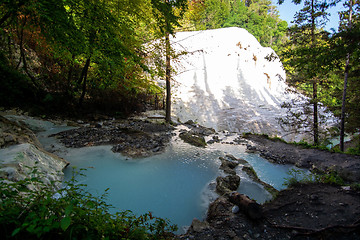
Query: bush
[[69, 213], [300, 176]]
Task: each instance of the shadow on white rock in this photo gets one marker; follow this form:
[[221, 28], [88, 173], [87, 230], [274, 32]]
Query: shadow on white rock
[[228, 81]]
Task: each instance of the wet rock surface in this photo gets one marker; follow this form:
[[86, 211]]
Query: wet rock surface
[[135, 138], [19, 162], [304, 211], [347, 166], [13, 133], [193, 139], [225, 185], [196, 135], [312, 211], [21, 154], [199, 130]]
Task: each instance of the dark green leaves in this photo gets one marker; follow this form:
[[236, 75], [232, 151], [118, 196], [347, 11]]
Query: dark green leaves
[[165, 15], [65, 223], [73, 214]]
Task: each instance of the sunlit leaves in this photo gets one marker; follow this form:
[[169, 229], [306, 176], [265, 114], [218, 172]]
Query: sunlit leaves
[[259, 17]]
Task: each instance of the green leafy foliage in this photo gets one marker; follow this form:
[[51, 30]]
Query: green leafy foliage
[[259, 17], [69, 213], [297, 176], [322, 78], [166, 15], [79, 51], [307, 41]]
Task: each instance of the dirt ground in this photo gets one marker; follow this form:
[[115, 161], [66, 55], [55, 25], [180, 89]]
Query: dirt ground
[[311, 211]]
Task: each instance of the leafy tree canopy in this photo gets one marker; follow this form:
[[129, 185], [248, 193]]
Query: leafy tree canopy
[[259, 17]]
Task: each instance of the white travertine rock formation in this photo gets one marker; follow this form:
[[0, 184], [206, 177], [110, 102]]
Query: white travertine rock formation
[[228, 81]]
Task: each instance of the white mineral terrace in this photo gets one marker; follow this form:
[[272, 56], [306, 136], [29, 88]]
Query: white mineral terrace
[[228, 81]]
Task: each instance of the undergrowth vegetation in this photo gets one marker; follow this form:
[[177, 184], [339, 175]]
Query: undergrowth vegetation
[[324, 145], [29, 209], [300, 176]]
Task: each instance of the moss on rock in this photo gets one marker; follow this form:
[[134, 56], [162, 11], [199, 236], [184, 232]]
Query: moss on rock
[[193, 139]]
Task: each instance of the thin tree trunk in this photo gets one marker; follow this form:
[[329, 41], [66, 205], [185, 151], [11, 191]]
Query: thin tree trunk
[[11, 57], [343, 110], [168, 77], [69, 78], [33, 80], [20, 33], [23, 55], [315, 87], [84, 76], [316, 120]]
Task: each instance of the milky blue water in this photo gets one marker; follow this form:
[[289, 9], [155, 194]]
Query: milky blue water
[[177, 184], [273, 174], [171, 185]]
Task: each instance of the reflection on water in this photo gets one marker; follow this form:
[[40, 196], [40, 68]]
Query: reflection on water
[[177, 184]]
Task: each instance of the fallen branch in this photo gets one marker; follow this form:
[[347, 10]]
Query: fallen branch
[[250, 207]]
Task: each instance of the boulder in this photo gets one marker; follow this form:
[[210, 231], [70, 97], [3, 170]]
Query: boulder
[[228, 166], [12, 133], [221, 207], [225, 185], [26, 160], [198, 226], [193, 139]]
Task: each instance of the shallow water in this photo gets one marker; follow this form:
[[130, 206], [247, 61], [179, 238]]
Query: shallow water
[[177, 184], [171, 185], [174, 185]]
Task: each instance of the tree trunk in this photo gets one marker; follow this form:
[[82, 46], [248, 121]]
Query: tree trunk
[[316, 119], [23, 55], [69, 77], [84, 77], [10, 52], [20, 33], [168, 77], [315, 100], [342, 119]]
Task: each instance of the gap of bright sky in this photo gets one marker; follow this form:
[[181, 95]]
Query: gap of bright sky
[[288, 9]]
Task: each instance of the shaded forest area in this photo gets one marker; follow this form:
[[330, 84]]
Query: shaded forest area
[[73, 55], [77, 56]]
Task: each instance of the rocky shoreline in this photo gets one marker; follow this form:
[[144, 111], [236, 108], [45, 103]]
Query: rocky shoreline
[[303, 211], [347, 166], [310, 211], [22, 156], [135, 138]]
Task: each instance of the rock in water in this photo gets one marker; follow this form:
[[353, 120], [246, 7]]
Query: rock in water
[[228, 81]]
